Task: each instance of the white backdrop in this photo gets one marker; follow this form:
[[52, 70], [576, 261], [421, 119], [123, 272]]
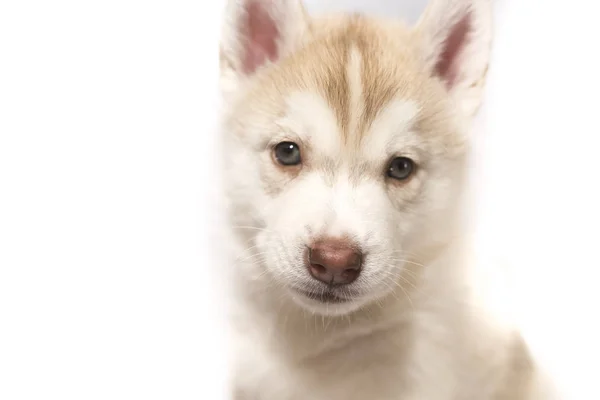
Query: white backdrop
[[107, 117]]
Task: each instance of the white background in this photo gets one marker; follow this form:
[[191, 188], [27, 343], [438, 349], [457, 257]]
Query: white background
[[107, 121]]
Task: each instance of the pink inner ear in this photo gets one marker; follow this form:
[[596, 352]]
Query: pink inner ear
[[261, 37], [447, 67]]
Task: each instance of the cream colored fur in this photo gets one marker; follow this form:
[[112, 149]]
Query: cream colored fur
[[354, 92]]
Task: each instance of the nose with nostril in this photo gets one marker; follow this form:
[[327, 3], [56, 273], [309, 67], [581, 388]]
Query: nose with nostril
[[334, 261]]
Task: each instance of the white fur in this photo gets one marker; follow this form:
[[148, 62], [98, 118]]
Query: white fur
[[392, 132], [309, 118], [353, 71]]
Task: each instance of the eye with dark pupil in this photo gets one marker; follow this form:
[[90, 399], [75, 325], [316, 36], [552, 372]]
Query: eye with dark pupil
[[288, 153], [400, 168]]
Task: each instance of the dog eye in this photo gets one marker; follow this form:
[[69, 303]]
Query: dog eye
[[287, 153], [401, 168]]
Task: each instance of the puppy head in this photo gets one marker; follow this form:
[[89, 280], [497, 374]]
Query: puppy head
[[345, 142]]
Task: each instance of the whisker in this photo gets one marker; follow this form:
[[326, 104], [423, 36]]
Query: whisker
[[252, 256], [403, 260], [405, 294]]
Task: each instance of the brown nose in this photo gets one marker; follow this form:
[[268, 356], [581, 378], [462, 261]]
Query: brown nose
[[334, 261]]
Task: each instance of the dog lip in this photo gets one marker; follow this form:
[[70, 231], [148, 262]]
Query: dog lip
[[323, 297]]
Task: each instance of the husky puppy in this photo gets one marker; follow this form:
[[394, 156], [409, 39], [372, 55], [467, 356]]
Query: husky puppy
[[345, 149]]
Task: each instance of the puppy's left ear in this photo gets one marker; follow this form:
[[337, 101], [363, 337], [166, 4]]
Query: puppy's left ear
[[456, 38], [258, 33]]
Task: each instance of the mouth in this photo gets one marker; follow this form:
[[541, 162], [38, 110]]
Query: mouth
[[327, 296]]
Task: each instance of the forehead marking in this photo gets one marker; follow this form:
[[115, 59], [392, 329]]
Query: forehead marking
[[355, 93], [332, 80], [359, 116], [359, 77], [380, 81]]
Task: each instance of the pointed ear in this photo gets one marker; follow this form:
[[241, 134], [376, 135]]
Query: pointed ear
[[456, 39], [258, 32]]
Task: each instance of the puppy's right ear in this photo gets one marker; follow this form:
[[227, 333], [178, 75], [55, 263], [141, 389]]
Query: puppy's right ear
[[456, 38], [257, 33]]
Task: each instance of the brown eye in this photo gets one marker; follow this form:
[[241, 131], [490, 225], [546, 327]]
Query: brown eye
[[287, 153], [401, 168]]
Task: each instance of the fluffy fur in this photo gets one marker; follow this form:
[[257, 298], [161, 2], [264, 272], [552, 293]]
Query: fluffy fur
[[354, 92]]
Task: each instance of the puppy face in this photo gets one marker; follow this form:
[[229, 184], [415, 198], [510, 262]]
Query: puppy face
[[345, 144]]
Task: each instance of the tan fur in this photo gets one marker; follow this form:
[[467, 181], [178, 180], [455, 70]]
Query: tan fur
[[389, 65], [390, 68]]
